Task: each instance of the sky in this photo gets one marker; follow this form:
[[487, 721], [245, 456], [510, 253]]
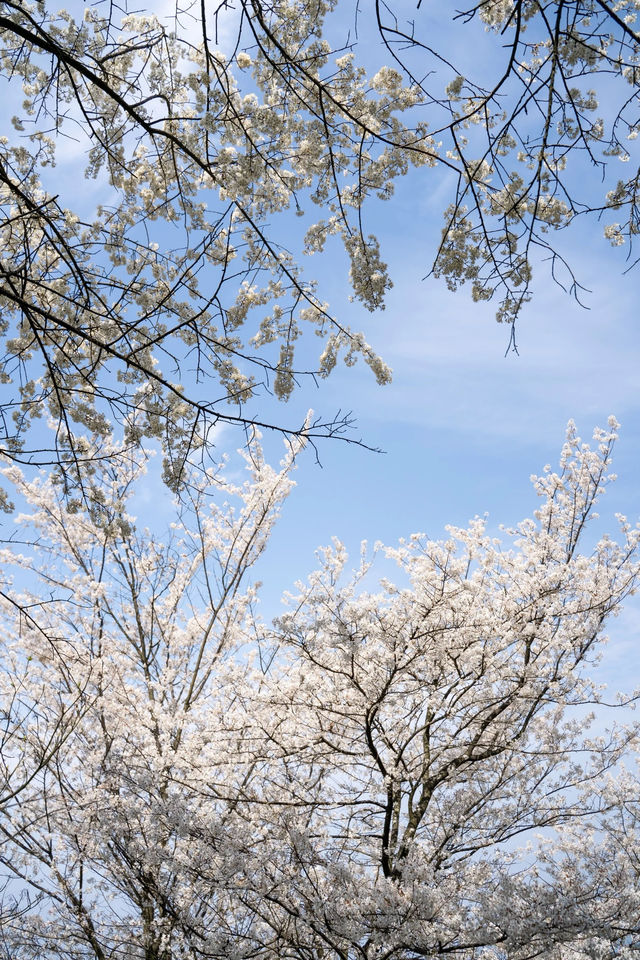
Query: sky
[[464, 423], [463, 426]]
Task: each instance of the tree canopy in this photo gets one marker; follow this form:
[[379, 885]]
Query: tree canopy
[[172, 287], [415, 767], [395, 774]]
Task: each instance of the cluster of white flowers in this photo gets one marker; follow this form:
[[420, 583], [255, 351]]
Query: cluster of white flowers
[[495, 13], [613, 233]]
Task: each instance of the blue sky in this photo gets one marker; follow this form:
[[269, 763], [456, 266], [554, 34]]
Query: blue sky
[[462, 425]]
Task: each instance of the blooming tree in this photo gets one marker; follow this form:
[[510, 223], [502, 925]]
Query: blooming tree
[[141, 650], [538, 136], [176, 285], [401, 774], [176, 276]]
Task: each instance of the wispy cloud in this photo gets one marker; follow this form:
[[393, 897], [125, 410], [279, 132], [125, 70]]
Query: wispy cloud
[[449, 361]]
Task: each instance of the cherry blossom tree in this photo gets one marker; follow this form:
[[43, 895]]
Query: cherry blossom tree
[[177, 277], [538, 135], [154, 638], [175, 286], [400, 774]]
